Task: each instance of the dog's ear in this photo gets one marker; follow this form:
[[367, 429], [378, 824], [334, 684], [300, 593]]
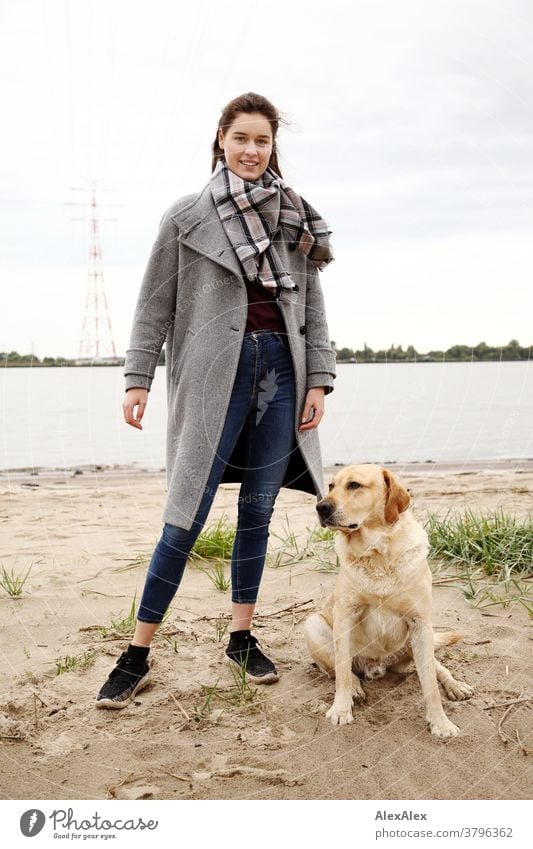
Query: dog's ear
[[397, 499]]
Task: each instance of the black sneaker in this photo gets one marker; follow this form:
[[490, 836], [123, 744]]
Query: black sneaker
[[242, 651], [123, 683]]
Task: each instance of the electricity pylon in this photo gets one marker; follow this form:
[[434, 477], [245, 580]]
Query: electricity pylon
[[96, 342]]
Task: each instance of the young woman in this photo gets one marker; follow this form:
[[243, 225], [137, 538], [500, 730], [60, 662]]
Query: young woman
[[232, 285]]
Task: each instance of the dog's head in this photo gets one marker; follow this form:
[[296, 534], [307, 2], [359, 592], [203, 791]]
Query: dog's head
[[363, 494]]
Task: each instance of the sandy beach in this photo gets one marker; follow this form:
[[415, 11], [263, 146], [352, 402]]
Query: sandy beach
[[90, 536]]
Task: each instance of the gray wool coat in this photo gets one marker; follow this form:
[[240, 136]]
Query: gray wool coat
[[193, 297]]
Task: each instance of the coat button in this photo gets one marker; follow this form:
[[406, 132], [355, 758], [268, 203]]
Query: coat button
[[293, 246], [303, 329]]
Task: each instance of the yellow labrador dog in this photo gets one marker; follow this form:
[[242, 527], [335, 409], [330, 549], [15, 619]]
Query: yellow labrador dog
[[379, 615]]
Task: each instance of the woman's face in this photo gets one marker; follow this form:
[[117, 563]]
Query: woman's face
[[247, 145]]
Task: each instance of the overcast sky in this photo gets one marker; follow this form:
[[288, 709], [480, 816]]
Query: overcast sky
[[411, 133]]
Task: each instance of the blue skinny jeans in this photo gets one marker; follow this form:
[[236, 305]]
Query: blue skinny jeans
[[262, 402]]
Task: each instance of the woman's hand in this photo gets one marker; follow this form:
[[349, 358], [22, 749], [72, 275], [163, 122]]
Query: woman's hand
[[314, 403], [135, 397]]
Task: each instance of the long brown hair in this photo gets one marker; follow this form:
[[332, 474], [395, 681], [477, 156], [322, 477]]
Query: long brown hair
[[249, 102]]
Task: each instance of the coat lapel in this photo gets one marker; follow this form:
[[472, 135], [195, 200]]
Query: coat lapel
[[201, 229]]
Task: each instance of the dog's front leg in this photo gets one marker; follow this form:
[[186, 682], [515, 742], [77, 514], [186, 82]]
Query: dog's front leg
[[347, 685], [421, 634]]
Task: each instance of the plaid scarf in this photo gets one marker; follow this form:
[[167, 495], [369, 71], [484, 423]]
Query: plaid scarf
[[251, 213]]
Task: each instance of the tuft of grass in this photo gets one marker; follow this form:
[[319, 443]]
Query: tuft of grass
[[498, 542], [492, 554], [13, 584], [140, 559], [239, 694], [317, 546], [172, 642], [221, 626], [68, 662], [125, 625], [323, 534], [209, 691], [216, 576], [242, 693], [215, 541]]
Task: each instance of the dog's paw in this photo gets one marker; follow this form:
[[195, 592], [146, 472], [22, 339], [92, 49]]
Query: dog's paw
[[443, 727], [340, 714], [358, 695], [458, 690]]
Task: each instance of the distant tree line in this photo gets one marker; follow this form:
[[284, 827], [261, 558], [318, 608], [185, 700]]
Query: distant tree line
[[13, 358], [456, 354]]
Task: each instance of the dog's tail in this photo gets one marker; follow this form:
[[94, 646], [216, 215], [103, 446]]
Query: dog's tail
[[446, 638]]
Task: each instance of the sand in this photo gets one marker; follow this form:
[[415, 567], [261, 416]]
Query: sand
[[90, 536]]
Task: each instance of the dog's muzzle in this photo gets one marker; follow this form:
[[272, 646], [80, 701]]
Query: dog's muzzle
[[326, 510]]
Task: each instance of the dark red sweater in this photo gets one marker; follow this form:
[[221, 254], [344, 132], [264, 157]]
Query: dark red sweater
[[263, 311]]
